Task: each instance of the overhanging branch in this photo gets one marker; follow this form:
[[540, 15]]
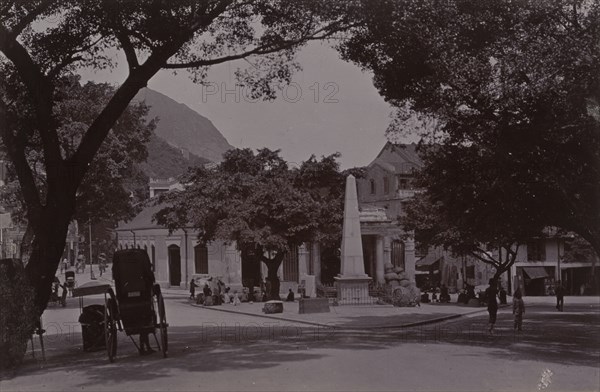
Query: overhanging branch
[[260, 50], [30, 17], [39, 89]]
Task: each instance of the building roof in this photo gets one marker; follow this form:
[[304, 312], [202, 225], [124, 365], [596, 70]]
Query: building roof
[[143, 220], [370, 213], [398, 158]]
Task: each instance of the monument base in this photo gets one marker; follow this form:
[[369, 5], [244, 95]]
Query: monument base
[[353, 290]]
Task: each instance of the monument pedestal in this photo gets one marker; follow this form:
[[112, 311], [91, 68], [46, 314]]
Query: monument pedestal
[[353, 290]]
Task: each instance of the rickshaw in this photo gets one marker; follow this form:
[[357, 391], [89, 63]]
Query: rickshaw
[[136, 306], [140, 306]]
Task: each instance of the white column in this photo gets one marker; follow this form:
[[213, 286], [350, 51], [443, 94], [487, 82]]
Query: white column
[[317, 261], [387, 250], [379, 250], [303, 259], [409, 258]]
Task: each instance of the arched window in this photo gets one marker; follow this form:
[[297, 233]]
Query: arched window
[[398, 249]]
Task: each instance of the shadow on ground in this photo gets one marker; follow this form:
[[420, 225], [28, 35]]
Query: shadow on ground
[[568, 338]]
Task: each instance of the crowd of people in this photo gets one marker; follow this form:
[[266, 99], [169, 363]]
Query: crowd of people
[[215, 292], [493, 296]]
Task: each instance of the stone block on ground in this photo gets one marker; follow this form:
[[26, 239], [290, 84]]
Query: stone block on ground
[[313, 305], [473, 302], [271, 307]]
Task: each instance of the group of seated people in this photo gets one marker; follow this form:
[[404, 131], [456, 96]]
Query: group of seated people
[[220, 294], [214, 292], [468, 293], [439, 294]]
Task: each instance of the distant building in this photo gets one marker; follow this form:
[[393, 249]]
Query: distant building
[[387, 185], [162, 185], [541, 263], [177, 257]]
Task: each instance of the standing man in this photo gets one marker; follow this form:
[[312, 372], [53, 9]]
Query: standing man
[[492, 304], [560, 296], [65, 265]]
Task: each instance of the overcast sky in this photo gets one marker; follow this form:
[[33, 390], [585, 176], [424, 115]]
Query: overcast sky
[[331, 107]]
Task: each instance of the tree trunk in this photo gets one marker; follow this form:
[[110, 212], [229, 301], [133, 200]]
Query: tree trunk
[[46, 250], [499, 272], [272, 277]]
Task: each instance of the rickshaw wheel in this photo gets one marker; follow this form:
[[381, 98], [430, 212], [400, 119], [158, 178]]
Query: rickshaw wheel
[[162, 324], [110, 330]]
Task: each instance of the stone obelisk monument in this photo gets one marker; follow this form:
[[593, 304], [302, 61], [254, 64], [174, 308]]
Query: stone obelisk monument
[[352, 283]]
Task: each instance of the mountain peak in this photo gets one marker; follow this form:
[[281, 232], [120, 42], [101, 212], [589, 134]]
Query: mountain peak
[[182, 127]]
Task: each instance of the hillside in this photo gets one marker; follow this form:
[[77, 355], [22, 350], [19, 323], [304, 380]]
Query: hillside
[[165, 161], [182, 127]]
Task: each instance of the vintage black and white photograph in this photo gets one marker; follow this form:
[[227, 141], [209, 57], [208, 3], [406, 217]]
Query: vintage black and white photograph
[[299, 195]]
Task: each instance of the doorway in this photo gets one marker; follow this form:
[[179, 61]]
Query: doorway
[[174, 265]]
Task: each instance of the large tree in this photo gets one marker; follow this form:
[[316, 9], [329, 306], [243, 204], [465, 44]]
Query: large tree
[[258, 202], [42, 41], [114, 184], [480, 218], [512, 89]]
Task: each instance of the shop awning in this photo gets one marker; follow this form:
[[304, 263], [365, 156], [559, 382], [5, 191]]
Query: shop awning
[[430, 260], [535, 272]]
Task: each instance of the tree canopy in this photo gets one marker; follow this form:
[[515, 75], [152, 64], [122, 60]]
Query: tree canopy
[[512, 90], [114, 184], [257, 201], [43, 41]]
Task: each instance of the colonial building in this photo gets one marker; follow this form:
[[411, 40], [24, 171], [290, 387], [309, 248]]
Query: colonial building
[[178, 257], [387, 185]]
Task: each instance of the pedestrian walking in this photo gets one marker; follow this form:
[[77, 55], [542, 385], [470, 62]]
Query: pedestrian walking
[[560, 296], [518, 309], [102, 263], [64, 265], [193, 286], [492, 304]]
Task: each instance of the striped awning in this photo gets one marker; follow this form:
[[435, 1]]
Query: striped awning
[[535, 272], [425, 263]]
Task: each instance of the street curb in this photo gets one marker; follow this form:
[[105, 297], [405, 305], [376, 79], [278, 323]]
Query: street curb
[[409, 325]]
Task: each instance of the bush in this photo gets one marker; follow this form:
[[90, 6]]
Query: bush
[[17, 313]]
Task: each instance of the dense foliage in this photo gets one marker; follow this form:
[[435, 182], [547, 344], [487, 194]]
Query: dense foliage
[[257, 201], [44, 41], [509, 94]]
